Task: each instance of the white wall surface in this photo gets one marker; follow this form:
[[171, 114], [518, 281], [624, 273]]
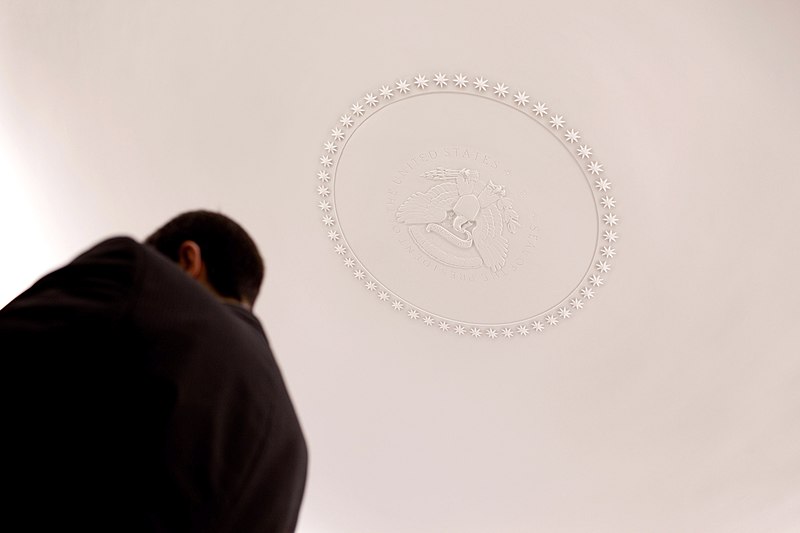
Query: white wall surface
[[673, 404]]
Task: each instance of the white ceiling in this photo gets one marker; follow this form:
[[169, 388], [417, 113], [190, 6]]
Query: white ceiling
[[671, 404]]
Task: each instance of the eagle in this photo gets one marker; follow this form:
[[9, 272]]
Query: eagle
[[473, 206]]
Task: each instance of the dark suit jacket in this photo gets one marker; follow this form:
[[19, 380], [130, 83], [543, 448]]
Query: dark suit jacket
[[136, 401]]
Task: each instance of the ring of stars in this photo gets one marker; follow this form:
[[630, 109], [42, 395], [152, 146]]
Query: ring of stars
[[517, 98]]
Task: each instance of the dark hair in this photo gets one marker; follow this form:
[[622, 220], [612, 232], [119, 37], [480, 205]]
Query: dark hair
[[234, 266]]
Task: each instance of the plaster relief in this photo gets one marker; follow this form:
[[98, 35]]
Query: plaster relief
[[463, 204]]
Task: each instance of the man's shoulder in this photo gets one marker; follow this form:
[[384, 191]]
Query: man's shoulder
[[95, 283], [115, 258], [156, 283], [120, 244], [245, 317]]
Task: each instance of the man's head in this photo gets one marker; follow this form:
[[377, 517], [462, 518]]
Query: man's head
[[214, 250]]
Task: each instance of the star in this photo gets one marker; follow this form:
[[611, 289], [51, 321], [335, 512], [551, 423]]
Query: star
[[481, 84], [359, 274], [602, 185], [538, 326], [412, 314], [521, 99], [603, 267], [610, 236], [323, 191], [491, 333], [349, 262], [595, 280], [572, 136], [522, 330], [595, 168], [557, 121], [420, 81], [326, 161], [475, 332], [325, 206], [608, 251], [383, 295], [397, 305], [340, 249], [587, 293], [444, 326], [428, 320], [564, 312], [371, 99], [328, 220], [610, 219], [386, 92], [460, 329], [584, 151], [346, 120], [440, 80], [370, 285], [323, 175], [508, 333], [402, 86], [501, 90], [337, 134], [552, 320], [608, 202], [576, 303], [540, 109], [333, 235], [357, 109], [461, 81]]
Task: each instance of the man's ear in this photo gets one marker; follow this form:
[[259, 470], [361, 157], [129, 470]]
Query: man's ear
[[190, 260]]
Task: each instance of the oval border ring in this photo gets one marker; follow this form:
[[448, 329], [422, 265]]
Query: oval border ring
[[593, 171]]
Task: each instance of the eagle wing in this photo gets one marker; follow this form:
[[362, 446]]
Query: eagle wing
[[491, 245], [429, 206]]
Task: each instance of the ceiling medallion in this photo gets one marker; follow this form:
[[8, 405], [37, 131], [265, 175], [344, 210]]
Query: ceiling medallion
[[467, 206]]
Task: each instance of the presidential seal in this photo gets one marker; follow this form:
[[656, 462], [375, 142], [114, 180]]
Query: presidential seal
[[467, 206]]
